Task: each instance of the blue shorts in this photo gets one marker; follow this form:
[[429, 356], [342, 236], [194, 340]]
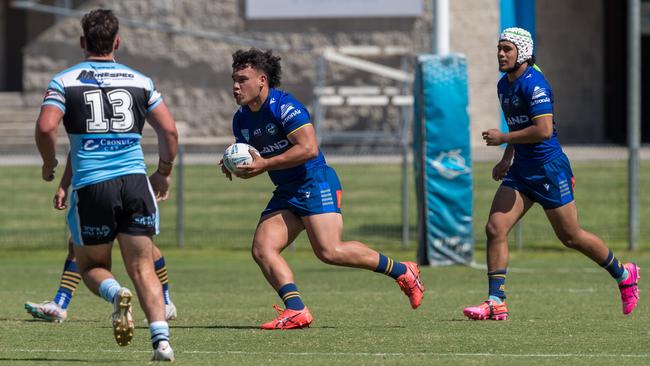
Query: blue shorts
[[551, 184], [318, 192]]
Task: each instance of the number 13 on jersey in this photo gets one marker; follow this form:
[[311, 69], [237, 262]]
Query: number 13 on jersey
[[121, 116]]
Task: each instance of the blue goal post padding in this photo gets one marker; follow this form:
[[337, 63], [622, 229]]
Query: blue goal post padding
[[442, 159]]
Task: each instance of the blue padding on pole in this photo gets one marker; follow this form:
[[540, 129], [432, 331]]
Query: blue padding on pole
[[517, 13], [443, 160]]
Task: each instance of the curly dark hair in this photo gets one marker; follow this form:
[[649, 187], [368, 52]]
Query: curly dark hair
[[100, 27], [259, 60]]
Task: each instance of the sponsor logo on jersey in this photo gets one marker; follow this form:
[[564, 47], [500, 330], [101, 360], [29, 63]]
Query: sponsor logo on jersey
[[268, 149], [272, 101], [515, 101], [257, 132], [517, 120], [87, 77], [92, 77], [285, 109], [290, 116], [271, 129], [244, 133], [51, 94], [108, 143], [539, 92], [540, 101]]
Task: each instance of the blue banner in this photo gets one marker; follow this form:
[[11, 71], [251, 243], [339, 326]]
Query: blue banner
[[443, 164]]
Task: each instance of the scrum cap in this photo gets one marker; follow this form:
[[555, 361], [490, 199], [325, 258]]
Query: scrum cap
[[522, 39]]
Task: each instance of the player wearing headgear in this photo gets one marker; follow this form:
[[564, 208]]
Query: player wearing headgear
[[103, 105], [534, 169], [307, 193]]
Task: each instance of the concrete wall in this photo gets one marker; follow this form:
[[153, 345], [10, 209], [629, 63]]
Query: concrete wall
[[475, 32], [194, 74], [570, 51]]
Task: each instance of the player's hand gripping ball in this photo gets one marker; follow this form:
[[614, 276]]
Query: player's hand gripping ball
[[237, 154]]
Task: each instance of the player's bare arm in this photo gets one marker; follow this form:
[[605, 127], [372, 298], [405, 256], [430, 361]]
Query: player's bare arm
[[163, 123], [501, 168], [540, 130], [61, 195], [305, 148], [45, 135]]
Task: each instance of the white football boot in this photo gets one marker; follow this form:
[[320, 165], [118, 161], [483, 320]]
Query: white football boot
[[48, 311], [163, 352], [170, 311]]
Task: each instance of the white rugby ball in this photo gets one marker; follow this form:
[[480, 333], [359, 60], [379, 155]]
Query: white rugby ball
[[237, 154]]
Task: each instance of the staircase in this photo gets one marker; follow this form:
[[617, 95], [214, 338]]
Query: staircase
[[17, 123]]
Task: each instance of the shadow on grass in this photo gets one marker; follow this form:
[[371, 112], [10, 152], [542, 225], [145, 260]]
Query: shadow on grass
[[48, 360], [246, 327], [214, 327]]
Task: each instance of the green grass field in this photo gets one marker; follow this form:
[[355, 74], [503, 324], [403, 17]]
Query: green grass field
[[564, 309]]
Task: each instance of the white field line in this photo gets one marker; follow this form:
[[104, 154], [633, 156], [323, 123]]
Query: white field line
[[358, 354]]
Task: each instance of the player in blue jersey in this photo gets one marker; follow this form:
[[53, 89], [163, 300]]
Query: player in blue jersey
[[534, 169], [103, 105], [307, 192], [56, 309]]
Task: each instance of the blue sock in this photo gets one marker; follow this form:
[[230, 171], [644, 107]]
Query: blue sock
[[614, 267], [389, 267], [69, 281], [159, 331], [161, 272], [108, 289], [291, 297], [497, 284]]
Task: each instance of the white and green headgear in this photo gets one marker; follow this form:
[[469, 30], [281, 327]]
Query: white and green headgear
[[522, 39]]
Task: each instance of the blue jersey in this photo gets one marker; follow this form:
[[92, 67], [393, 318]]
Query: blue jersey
[[104, 105], [268, 129], [523, 100]]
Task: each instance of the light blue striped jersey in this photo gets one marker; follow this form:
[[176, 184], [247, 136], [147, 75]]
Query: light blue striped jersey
[[104, 104]]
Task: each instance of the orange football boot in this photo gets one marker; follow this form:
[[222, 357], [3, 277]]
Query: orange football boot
[[289, 319], [411, 284]]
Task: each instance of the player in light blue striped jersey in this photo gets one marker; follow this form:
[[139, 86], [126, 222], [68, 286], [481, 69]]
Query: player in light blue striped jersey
[[103, 105]]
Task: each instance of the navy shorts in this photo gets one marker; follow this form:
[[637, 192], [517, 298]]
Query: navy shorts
[[124, 204], [551, 184], [318, 192]]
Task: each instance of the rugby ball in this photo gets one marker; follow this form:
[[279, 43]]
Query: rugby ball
[[237, 154]]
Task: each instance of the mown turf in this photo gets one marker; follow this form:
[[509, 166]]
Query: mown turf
[[564, 309]]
